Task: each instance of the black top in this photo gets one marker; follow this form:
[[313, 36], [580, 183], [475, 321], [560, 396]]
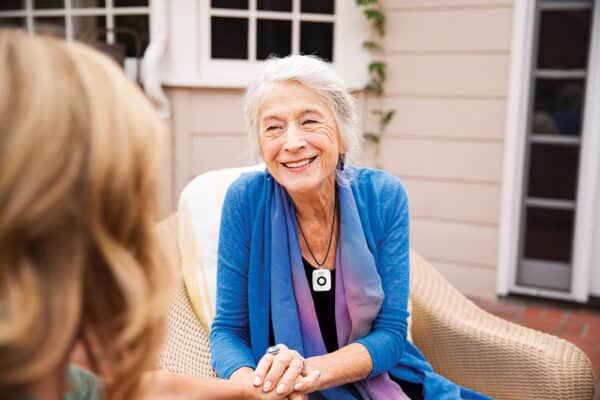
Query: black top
[[325, 308]]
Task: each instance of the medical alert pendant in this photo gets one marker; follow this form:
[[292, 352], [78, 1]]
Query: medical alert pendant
[[321, 280]]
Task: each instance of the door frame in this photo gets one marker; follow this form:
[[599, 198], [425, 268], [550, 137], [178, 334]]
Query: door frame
[[587, 219]]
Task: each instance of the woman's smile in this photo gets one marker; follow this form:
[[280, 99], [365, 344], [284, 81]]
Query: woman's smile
[[301, 165]]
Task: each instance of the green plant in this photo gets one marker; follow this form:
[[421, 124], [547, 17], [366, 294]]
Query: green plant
[[377, 70]]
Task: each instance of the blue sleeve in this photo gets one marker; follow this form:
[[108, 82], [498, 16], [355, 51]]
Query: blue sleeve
[[230, 332], [387, 339]]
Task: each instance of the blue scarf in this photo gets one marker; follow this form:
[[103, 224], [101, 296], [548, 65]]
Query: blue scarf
[[358, 298]]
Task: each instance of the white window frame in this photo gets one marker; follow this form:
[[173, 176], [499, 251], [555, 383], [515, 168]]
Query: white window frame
[[68, 11], [187, 60], [587, 231]]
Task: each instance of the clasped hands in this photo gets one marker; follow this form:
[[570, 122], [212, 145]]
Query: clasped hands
[[281, 374]]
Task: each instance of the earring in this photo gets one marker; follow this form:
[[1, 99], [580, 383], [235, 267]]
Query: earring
[[341, 161]]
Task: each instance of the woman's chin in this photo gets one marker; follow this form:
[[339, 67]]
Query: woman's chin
[[291, 178], [306, 187], [299, 186]]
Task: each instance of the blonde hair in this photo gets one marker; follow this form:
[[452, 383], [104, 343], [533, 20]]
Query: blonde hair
[[78, 181]]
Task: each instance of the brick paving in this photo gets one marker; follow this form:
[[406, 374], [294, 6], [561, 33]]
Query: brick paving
[[577, 324]]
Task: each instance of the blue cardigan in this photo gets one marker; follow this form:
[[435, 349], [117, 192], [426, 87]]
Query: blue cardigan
[[240, 330]]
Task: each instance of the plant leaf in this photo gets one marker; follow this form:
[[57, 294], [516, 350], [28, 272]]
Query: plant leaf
[[377, 19], [375, 87], [372, 137], [365, 2], [378, 67], [374, 14], [387, 116], [372, 46]]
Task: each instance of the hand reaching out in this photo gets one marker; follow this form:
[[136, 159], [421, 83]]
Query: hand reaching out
[[244, 376], [159, 385]]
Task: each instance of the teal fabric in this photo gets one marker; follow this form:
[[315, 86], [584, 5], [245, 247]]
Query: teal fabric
[[83, 384]]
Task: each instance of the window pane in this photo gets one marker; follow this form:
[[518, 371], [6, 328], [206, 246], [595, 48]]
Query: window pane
[[54, 26], [564, 39], [274, 5], [549, 234], [12, 22], [90, 29], [229, 38], [132, 31], [130, 3], [317, 38], [553, 171], [317, 6], [12, 5], [88, 3], [48, 3], [273, 37], [116, 51], [236, 4], [558, 106]]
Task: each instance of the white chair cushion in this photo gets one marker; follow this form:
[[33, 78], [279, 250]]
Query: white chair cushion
[[199, 217]]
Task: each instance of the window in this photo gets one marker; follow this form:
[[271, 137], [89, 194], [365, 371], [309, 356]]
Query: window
[[222, 43], [117, 27], [251, 31]]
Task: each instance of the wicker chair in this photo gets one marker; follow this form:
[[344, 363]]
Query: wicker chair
[[461, 341]]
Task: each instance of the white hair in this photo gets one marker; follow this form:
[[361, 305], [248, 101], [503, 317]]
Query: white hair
[[316, 75]]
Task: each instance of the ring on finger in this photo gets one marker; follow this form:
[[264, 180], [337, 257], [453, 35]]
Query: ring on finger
[[273, 350]]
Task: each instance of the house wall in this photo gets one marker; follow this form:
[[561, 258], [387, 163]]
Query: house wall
[[448, 66], [448, 63], [208, 132]]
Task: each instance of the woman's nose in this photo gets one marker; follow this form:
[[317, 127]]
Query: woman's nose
[[294, 140]]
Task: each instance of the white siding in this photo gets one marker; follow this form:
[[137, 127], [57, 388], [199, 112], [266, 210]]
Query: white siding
[[448, 64]]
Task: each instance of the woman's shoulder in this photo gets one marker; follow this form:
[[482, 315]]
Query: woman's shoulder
[[84, 385], [248, 184], [375, 184], [249, 180]]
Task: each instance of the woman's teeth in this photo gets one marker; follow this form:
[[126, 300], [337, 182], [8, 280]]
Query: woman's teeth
[[299, 163]]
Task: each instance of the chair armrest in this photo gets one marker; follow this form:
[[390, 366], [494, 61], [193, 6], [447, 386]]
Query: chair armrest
[[488, 354], [186, 350]]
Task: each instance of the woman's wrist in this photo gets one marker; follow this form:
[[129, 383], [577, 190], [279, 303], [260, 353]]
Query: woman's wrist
[[242, 380], [242, 374], [350, 363], [316, 365]]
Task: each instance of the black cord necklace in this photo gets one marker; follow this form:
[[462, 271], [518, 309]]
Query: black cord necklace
[[320, 264]]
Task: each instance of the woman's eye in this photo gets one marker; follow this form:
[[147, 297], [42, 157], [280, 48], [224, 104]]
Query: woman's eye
[[309, 122], [272, 128]]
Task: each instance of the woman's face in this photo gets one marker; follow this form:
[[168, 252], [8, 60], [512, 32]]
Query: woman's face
[[299, 138]]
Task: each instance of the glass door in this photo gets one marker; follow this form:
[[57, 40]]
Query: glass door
[[551, 208]]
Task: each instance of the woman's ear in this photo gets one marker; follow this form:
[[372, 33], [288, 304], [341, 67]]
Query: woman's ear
[[341, 145], [258, 150]]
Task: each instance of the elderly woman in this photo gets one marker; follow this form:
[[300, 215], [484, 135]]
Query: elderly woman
[[313, 270]]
